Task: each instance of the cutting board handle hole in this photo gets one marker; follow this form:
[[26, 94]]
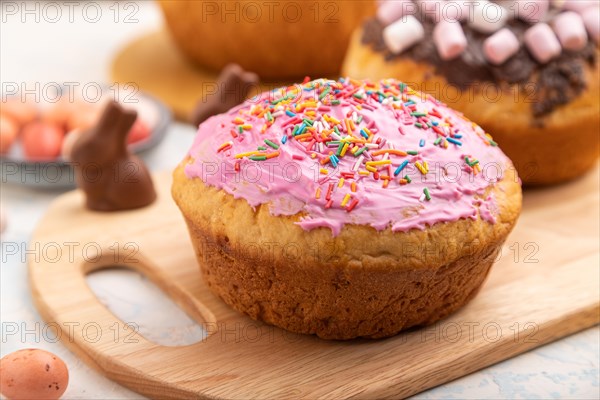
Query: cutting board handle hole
[[143, 306]]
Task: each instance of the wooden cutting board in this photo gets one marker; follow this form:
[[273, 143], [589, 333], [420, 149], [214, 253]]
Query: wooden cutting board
[[544, 286]]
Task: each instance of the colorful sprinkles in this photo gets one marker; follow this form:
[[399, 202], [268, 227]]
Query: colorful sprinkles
[[308, 123]]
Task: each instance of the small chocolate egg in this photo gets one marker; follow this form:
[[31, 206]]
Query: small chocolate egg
[[42, 141], [33, 374], [138, 132], [84, 116], [68, 142], [20, 111], [8, 133], [59, 113]]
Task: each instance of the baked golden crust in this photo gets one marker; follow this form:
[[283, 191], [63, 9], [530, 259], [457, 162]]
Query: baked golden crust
[[555, 148], [282, 39], [361, 283]]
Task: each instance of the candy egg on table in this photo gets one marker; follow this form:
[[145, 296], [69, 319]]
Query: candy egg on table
[[33, 374], [138, 132], [42, 141], [59, 113], [8, 133], [21, 112], [84, 116]]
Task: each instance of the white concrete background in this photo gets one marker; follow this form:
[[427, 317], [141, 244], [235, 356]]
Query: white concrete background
[[76, 50]]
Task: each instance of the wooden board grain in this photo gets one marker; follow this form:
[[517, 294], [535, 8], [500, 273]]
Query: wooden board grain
[[544, 286]]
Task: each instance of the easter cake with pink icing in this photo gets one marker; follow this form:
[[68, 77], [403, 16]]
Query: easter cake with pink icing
[[525, 70], [346, 208]]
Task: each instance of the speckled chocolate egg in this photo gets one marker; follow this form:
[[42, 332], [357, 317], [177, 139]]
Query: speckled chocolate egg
[[84, 116], [21, 112], [8, 133], [41, 141], [59, 113], [33, 374], [138, 132]]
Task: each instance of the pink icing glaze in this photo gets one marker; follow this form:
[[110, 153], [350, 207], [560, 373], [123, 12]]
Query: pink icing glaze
[[289, 182]]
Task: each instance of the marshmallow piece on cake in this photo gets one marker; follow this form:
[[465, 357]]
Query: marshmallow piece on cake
[[579, 6], [487, 17], [403, 33], [591, 20], [542, 42], [500, 46], [449, 39], [570, 30], [391, 11]]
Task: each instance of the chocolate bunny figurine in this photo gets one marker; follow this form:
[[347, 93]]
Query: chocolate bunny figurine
[[233, 86], [112, 178]]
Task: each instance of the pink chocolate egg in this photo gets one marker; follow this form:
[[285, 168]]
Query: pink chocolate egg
[[20, 111], [59, 113], [8, 133], [33, 374], [42, 141], [138, 132], [83, 116]]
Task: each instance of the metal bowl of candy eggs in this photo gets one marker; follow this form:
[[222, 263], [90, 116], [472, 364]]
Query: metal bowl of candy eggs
[[37, 134]]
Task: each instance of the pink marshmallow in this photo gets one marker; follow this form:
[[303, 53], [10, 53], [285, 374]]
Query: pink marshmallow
[[487, 17], [570, 30], [542, 42], [500, 46], [449, 39], [457, 10], [391, 11], [403, 33], [579, 5], [591, 20], [531, 11]]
